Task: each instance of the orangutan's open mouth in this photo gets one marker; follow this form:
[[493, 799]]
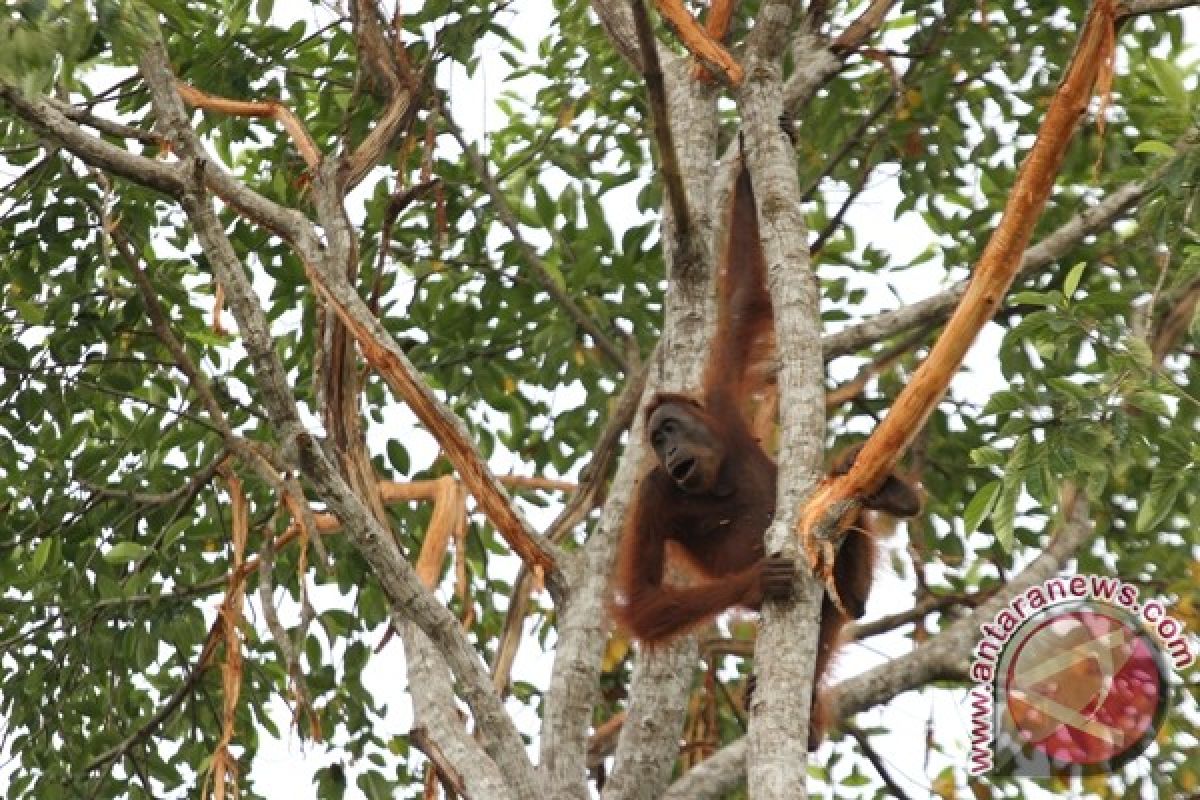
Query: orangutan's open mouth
[[683, 470]]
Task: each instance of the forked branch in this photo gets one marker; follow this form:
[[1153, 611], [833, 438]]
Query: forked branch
[[698, 41]]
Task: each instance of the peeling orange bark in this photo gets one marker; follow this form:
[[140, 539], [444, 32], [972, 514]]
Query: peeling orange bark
[[716, 25], [993, 276], [272, 109], [698, 41]]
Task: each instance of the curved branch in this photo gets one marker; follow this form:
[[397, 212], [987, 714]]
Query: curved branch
[[270, 109]]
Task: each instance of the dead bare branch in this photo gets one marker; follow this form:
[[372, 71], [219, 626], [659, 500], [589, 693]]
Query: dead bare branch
[[660, 122]]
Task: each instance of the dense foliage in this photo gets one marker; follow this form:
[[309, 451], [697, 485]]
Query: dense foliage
[[115, 520]]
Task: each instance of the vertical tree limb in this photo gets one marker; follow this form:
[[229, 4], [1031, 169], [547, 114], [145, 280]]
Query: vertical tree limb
[[777, 740]]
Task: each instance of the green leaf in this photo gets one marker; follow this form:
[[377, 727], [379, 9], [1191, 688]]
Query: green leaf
[[1003, 515], [125, 552], [1169, 78], [1164, 489], [986, 457], [980, 506], [1072, 281], [41, 555], [1003, 402], [1155, 147]]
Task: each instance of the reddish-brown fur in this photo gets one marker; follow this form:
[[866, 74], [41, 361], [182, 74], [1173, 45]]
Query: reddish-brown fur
[[720, 532]]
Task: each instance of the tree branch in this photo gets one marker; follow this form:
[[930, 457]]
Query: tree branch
[[699, 42], [53, 126], [399, 93], [713, 778], [1135, 8], [270, 109], [396, 576], [716, 25], [656, 97], [864, 744], [653, 718], [593, 478], [689, 321], [509, 219], [777, 749], [836, 499], [1052, 247], [946, 655], [863, 28]]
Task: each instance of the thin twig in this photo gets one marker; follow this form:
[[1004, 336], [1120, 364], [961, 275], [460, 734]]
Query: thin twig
[[532, 261], [872, 755]]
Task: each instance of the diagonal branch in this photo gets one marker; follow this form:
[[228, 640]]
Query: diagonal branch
[[1134, 8], [1050, 249], [998, 265], [270, 109], [864, 27], [872, 755], [656, 95], [409, 600], [720, 17], [54, 126], [389, 360], [593, 478]]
